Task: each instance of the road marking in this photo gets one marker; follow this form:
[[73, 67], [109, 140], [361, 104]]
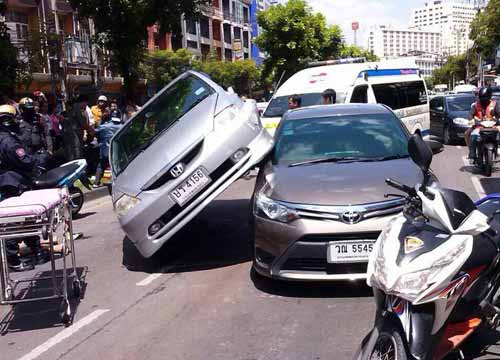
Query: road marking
[[466, 161], [148, 280], [478, 187], [63, 335]]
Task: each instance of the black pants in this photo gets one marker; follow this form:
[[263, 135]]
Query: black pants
[[101, 167]]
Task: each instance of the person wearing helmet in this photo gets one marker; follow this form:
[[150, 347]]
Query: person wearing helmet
[[484, 109], [99, 110], [17, 168], [33, 131]]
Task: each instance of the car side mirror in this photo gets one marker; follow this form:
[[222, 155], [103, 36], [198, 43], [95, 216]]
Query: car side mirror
[[435, 146]]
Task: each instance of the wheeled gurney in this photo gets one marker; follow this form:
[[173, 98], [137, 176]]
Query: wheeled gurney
[[47, 214]]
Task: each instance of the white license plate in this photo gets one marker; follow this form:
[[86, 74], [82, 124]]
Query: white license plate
[[349, 251], [189, 188]]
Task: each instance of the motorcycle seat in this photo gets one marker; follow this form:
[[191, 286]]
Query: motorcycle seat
[[51, 178]]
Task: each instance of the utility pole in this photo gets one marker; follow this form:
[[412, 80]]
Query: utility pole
[[61, 67]]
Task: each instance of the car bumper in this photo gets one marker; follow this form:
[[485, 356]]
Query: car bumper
[[458, 131], [158, 205], [298, 251]]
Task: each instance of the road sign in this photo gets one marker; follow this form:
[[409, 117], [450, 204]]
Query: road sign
[[355, 26]]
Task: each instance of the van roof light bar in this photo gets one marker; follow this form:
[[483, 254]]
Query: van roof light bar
[[357, 60]]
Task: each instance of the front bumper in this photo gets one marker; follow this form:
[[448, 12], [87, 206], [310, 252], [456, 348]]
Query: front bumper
[[298, 251], [458, 131], [158, 204]]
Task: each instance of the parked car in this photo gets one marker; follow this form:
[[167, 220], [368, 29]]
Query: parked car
[[318, 203], [179, 152], [496, 93], [449, 116]]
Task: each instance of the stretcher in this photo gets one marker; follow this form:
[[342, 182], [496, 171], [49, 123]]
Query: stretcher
[[46, 214]]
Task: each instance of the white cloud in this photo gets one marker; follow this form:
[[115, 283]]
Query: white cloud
[[366, 12]]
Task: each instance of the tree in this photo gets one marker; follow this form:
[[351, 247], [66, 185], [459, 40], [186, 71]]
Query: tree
[[348, 51], [455, 68], [292, 35], [121, 27], [485, 29]]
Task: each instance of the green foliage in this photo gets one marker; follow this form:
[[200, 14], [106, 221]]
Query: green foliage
[[348, 51], [13, 71], [292, 35], [485, 29], [455, 67], [161, 67], [121, 26]]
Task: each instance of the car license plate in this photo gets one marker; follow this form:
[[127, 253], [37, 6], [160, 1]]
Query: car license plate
[[190, 187], [349, 251]]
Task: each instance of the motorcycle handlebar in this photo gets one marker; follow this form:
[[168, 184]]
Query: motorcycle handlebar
[[401, 187]]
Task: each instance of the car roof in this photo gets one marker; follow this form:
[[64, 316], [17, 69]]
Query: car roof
[[319, 111]]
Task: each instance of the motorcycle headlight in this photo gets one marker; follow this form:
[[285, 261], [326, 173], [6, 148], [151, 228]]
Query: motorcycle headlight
[[461, 121], [124, 204], [410, 284], [273, 210]]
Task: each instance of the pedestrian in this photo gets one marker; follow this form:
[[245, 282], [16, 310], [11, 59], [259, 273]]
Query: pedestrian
[[74, 128], [114, 110], [294, 102], [328, 97], [33, 130], [98, 110], [104, 133], [19, 166]]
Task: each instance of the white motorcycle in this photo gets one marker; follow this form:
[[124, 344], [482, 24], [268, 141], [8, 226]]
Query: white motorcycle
[[435, 271]]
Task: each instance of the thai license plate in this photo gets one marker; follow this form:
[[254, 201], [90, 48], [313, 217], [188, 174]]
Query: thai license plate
[[349, 251], [190, 187]]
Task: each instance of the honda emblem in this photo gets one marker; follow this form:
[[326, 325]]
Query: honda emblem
[[177, 170]]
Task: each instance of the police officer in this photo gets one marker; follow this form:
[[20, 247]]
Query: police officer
[[33, 132], [17, 167]]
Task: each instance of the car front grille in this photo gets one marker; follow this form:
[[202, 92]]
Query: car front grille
[[321, 265], [326, 238]]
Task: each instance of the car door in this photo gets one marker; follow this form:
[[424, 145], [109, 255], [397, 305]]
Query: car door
[[437, 116]]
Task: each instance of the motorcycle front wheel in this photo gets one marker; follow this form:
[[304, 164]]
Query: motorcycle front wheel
[[488, 162], [389, 346], [76, 200]]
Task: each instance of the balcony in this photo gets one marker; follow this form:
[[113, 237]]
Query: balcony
[[78, 52]]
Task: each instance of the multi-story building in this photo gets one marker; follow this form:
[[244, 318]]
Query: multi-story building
[[258, 5], [386, 41], [224, 28], [450, 18]]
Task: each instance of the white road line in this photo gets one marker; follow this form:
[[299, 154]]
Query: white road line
[[148, 280], [478, 187], [66, 333]]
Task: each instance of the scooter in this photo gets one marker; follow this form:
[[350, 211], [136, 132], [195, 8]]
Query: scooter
[[487, 145], [66, 175], [434, 270]]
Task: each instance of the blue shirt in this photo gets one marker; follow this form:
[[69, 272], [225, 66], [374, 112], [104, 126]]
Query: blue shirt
[[104, 134]]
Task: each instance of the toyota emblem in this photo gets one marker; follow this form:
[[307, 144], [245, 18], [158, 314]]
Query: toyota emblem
[[177, 170], [351, 217]]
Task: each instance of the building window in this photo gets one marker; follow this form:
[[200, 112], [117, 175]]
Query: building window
[[228, 54], [191, 27], [192, 44], [204, 27], [237, 33]]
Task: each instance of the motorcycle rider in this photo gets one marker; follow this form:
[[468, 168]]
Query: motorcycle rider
[[484, 109], [33, 132], [18, 165]]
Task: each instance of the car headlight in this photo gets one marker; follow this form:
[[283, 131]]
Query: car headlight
[[273, 210], [461, 121], [409, 285], [124, 204]]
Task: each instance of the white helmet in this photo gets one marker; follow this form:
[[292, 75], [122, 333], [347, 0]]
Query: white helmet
[[102, 98]]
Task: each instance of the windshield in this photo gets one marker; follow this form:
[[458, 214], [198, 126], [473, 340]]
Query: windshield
[[156, 117], [279, 105], [349, 136], [462, 103]]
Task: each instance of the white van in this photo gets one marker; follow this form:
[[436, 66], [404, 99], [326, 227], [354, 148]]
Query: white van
[[395, 83]]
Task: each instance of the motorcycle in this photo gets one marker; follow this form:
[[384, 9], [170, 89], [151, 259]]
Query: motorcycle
[[487, 145], [435, 270], [66, 175]]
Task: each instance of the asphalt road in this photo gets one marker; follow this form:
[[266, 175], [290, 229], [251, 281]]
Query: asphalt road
[[200, 300]]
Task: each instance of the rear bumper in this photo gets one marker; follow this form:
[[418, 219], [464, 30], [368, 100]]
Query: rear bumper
[[136, 225]]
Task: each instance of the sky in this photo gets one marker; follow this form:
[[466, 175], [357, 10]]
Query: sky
[[367, 13]]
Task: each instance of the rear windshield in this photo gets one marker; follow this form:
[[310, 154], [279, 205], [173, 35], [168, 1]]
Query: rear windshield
[[371, 135], [156, 117], [462, 103], [279, 105]]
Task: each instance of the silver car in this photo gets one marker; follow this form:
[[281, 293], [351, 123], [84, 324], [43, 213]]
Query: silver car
[[184, 148]]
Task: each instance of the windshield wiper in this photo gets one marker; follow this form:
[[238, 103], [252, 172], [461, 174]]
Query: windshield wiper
[[391, 157], [325, 160]]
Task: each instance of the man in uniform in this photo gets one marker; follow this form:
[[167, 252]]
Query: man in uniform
[[17, 167], [33, 132]]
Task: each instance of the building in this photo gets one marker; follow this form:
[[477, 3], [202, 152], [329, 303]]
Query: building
[[385, 41], [258, 5], [45, 43], [223, 28], [450, 18]]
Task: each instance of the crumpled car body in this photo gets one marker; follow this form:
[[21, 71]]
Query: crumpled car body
[[184, 148]]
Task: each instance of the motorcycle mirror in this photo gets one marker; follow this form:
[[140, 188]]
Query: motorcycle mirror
[[436, 146], [420, 153]]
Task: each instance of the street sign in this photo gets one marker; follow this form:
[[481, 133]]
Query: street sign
[[355, 26], [237, 45]]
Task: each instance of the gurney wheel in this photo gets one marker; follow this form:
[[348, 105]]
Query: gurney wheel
[[65, 313], [77, 289]]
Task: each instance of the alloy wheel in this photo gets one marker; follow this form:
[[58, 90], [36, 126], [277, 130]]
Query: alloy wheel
[[385, 348]]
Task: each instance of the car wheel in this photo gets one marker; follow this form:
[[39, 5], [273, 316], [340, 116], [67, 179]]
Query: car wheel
[[447, 136]]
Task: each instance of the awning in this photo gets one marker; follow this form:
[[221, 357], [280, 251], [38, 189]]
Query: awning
[[21, 3]]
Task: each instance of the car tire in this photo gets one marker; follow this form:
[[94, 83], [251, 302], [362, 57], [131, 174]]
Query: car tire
[[447, 139]]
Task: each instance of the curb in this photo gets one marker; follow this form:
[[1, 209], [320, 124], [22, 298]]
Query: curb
[[96, 194]]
